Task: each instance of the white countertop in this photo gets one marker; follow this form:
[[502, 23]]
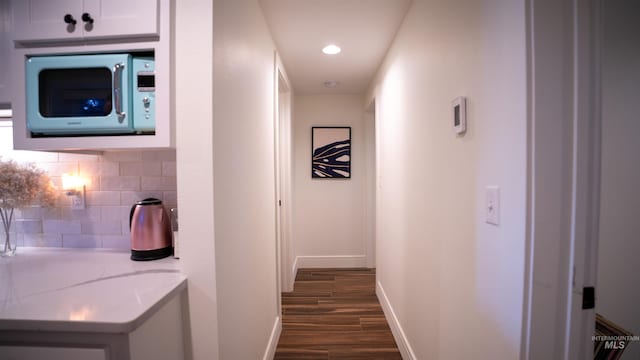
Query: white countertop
[[82, 290]]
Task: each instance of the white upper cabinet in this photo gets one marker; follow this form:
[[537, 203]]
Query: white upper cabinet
[[135, 27], [55, 20], [5, 51], [118, 18]]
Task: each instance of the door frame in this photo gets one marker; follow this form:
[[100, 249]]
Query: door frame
[[563, 172], [283, 102], [371, 176]]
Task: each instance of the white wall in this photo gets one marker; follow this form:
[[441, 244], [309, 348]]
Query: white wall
[[244, 173], [194, 152], [225, 151], [618, 294], [453, 282], [330, 216]]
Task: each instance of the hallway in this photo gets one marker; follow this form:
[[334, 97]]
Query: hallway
[[334, 314]]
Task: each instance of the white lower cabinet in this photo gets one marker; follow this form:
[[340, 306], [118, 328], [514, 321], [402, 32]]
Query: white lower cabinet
[[50, 353], [161, 336]]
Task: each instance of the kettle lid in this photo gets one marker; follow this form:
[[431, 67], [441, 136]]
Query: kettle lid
[[149, 201]]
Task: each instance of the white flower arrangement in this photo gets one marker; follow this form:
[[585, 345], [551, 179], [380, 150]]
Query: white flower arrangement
[[21, 185]]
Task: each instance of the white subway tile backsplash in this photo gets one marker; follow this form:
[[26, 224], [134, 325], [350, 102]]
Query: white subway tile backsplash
[[169, 168], [115, 180], [99, 168], [63, 201], [61, 227], [97, 198], [141, 168], [58, 168], [170, 199], [122, 156], [102, 227], [43, 240], [115, 213], [159, 155], [158, 183], [115, 242], [30, 212], [120, 183], [28, 226], [92, 183], [109, 169], [126, 231], [81, 241], [53, 213], [130, 197], [89, 213]]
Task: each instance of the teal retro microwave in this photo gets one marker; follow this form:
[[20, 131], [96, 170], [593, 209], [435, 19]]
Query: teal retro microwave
[[99, 94]]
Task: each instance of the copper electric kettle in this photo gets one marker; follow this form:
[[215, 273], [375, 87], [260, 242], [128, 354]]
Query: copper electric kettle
[[151, 235]]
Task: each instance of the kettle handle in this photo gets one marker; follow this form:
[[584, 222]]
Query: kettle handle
[[131, 214]]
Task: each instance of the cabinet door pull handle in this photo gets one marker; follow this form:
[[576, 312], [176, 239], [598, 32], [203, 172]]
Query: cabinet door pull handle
[[69, 19], [86, 17]]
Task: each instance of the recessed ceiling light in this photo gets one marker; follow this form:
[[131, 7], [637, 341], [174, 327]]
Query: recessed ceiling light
[[331, 49], [331, 84]]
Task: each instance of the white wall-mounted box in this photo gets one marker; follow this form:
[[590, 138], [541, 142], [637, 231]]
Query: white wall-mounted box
[[124, 39]]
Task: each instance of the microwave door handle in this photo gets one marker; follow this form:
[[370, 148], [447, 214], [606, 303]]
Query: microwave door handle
[[117, 90]]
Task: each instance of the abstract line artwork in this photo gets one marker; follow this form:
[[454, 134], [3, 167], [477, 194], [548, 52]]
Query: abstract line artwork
[[331, 152]]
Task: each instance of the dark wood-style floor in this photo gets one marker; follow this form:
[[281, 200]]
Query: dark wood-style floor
[[334, 314]]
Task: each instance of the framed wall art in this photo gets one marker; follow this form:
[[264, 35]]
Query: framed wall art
[[331, 152]]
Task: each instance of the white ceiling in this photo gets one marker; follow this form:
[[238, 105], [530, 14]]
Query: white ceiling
[[364, 29]]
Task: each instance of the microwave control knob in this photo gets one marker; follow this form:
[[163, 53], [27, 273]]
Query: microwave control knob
[[69, 19], [146, 101], [86, 17]]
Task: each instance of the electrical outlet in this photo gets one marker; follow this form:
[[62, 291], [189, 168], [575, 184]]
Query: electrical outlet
[[77, 199], [492, 205]]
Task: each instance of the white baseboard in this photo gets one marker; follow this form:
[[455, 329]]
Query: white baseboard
[[291, 278], [331, 261], [294, 268], [270, 352], [398, 334]]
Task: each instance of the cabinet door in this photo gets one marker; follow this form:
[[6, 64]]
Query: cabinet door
[[50, 353], [35, 20], [121, 18], [5, 51], [50, 20]]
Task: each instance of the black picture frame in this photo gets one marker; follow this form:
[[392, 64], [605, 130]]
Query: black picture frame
[[331, 152]]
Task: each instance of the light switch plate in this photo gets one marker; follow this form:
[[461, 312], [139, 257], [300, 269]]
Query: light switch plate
[[492, 205]]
